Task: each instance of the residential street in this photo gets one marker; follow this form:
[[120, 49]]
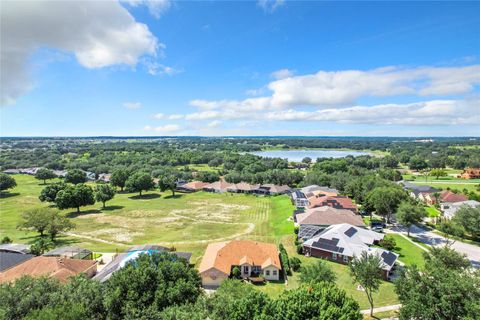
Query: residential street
[[433, 239]]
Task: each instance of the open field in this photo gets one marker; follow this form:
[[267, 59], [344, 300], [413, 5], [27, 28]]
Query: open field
[[188, 222]]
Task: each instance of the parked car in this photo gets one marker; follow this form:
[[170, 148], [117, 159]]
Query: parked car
[[377, 226]]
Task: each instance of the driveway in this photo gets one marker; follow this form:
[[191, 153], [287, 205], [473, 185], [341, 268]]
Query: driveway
[[428, 237]]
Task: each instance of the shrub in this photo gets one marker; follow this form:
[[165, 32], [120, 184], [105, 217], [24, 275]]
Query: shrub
[[284, 259], [295, 263], [388, 243], [299, 249], [236, 272]]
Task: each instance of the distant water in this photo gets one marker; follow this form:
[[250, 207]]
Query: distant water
[[298, 155]]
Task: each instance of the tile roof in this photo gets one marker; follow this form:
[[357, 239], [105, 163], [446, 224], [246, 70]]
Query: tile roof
[[449, 196], [223, 255], [194, 185], [53, 267], [332, 201], [14, 247], [273, 188], [326, 216], [219, 185]]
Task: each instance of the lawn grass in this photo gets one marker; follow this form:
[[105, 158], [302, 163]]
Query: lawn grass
[[432, 212], [385, 296], [201, 167], [187, 221], [409, 253]]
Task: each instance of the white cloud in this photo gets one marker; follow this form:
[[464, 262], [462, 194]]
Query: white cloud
[[98, 33], [214, 124], [176, 116], [270, 6], [132, 105], [282, 74], [156, 7], [168, 128], [154, 68], [342, 88], [159, 116]]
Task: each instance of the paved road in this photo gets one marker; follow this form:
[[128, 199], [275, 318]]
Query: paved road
[[433, 239], [382, 309]]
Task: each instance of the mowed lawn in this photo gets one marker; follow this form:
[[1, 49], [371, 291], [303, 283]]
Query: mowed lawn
[[186, 221]]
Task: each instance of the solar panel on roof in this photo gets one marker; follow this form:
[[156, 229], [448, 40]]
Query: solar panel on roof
[[307, 232], [326, 244], [389, 258], [350, 232]]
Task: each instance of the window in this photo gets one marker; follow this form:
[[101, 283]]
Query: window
[[274, 272], [345, 259], [267, 272], [334, 256]]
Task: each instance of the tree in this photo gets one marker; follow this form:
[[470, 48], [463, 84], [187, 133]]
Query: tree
[[409, 214], [119, 177], [313, 301], [139, 182], [58, 224], [208, 176], [75, 176], [36, 219], [75, 197], [41, 246], [385, 200], [388, 243], [469, 219], [152, 281], [6, 182], [437, 173], [5, 240], [45, 174], [236, 272], [417, 163], [104, 192], [317, 272], [366, 270], [445, 289], [167, 182], [295, 263], [307, 160], [449, 228], [49, 193]]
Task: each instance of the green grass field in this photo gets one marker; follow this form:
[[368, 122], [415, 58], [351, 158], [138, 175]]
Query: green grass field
[[432, 212], [409, 253], [189, 222]]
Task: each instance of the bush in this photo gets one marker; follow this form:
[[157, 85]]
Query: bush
[[5, 240], [296, 229], [388, 243], [299, 249], [236, 272], [295, 263], [284, 259]]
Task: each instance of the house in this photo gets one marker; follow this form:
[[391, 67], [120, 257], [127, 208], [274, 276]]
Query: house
[[427, 197], [60, 173], [30, 171], [243, 187], [90, 175], [448, 196], [299, 199], [342, 242], [104, 177], [192, 186], [470, 173], [251, 257], [315, 190], [336, 202], [71, 253], [415, 189], [15, 248], [52, 267], [272, 189], [133, 253], [12, 171], [326, 216], [450, 209], [9, 259], [218, 187]]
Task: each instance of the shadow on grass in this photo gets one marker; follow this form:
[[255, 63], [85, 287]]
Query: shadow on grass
[[82, 213], [110, 208], [174, 196], [4, 195], [145, 196]]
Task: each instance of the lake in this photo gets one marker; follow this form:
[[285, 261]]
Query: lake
[[298, 155]]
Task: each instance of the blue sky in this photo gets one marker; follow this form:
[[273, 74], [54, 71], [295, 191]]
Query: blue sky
[[240, 68]]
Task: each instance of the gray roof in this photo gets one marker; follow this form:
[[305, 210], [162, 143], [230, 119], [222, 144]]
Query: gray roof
[[416, 189], [15, 247], [308, 231], [351, 241], [68, 252], [9, 259], [452, 208]]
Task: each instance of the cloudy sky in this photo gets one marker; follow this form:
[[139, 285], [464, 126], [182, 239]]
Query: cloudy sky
[[139, 67]]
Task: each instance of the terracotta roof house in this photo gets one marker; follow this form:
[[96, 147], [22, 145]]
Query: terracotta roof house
[[336, 202], [470, 173], [450, 197], [327, 216], [192, 186], [251, 257], [342, 242], [450, 209], [9, 260], [133, 253], [52, 267], [218, 186], [314, 190]]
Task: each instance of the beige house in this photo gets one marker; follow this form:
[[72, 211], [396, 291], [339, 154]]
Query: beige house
[[252, 258]]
